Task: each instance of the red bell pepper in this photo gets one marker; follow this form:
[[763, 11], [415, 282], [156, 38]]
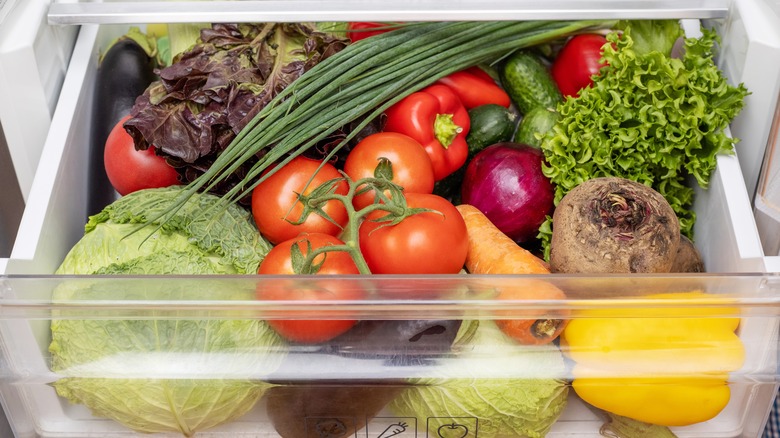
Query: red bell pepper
[[475, 87], [358, 30], [577, 62], [436, 118]]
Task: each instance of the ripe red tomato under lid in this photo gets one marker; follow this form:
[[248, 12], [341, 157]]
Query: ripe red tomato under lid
[[424, 243], [412, 169], [279, 259], [576, 63], [275, 203], [129, 169], [305, 327]]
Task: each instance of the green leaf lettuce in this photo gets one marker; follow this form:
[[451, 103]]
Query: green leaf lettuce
[[647, 117]]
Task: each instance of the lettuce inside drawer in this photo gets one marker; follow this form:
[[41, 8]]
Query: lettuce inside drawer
[[182, 355]]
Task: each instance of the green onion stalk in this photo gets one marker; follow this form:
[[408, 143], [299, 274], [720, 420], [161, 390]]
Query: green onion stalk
[[363, 80]]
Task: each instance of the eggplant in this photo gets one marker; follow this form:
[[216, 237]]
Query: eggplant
[[124, 73], [397, 342], [371, 352]]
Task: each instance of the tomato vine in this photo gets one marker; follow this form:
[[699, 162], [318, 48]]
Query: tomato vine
[[389, 198]]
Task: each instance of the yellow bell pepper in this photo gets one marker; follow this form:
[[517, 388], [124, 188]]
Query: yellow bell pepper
[[660, 365]]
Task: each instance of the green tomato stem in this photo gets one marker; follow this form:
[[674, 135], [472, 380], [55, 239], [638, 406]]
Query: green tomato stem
[[352, 250], [351, 235], [396, 208]]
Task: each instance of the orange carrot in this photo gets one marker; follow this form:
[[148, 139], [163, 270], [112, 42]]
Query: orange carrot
[[492, 252], [544, 326]]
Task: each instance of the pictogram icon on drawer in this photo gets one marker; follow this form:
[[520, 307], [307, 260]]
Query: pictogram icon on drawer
[[392, 427], [452, 427], [332, 427]]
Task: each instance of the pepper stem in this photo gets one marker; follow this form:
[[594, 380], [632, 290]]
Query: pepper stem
[[445, 130]]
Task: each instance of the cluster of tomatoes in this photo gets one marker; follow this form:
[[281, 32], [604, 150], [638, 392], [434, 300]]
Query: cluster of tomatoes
[[431, 242], [422, 243]]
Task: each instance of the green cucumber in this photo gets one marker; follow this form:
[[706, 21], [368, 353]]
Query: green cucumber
[[528, 82], [490, 124], [538, 121]]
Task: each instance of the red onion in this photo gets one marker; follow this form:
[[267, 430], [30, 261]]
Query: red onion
[[506, 183]]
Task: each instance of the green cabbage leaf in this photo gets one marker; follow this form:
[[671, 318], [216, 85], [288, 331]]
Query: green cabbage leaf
[[219, 240], [163, 371], [492, 384]]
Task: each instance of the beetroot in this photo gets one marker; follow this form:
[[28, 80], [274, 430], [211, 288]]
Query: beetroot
[[506, 183]]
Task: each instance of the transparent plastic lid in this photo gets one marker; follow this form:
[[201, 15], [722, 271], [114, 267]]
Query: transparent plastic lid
[[396, 327]]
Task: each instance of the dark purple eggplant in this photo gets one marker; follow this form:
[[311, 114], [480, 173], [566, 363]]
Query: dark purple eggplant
[[370, 352], [411, 342], [123, 74]]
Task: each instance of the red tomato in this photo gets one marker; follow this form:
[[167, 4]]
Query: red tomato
[[412, 169], [359, 30], [424, 243], [577, 62], [279, 261], [275, 203], [129, 169]]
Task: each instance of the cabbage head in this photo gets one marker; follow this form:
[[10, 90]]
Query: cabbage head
[[491, 386], [163, 372]]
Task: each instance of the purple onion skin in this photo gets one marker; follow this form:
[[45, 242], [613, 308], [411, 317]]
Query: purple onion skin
[[506, 183]]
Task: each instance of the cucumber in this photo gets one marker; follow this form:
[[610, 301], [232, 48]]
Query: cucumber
[[538, 120], [528, 82], [490, 124]]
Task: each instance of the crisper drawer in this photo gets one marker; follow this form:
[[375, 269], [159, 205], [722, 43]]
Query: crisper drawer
[[426, 358]]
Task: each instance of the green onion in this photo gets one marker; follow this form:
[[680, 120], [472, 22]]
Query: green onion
[[363, 80]]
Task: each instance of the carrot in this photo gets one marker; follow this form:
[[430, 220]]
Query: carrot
[[492, 252], [534, 331]]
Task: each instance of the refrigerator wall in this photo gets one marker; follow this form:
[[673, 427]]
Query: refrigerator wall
[[34, 58], [11, 202], [767, 196]]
